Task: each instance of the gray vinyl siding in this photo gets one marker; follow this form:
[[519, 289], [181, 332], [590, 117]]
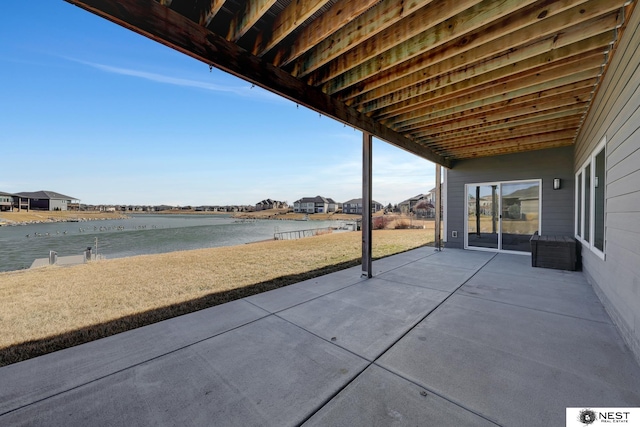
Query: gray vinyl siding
[[557, 205], [615, 115]]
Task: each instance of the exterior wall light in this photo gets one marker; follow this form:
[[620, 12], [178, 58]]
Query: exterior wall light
[[556, 183]]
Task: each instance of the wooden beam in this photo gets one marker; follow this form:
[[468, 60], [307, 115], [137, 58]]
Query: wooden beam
[[506, 114], [149, 18], [507, 133], [360, 45], [564, 134], [490, 84], [506, 109], [457, 107], [458, 50], [430, 136], [464, 79], [338, 16], [286, 22], [517, 147], [388, 56], [576, 40], [211, 12], [246, 18]]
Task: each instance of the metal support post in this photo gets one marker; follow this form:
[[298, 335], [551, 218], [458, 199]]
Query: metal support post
[[366, 204], [438, 242]]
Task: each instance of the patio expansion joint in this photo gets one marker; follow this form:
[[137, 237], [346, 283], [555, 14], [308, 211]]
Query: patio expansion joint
[[305, 301], [537, 309], [134, 365]]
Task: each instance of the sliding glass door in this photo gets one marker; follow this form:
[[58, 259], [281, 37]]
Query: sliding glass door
[[502, 215], [482, 216]]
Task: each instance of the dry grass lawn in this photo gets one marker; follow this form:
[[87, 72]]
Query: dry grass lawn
[[56, 307]]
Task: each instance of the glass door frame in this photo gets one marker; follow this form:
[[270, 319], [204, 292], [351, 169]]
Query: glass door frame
[[499, 185]]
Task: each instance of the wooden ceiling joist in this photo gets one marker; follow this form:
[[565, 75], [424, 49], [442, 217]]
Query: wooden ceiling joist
[[207, 15], [444, 80], [561, 113], [372, 22], [560, 135], [512, 111], [491, 104], [247, 17], [464, 80], [397, 43], [485, 86], [525, 110], [454, 69], [454, 28], [289, 20], [474, 137]]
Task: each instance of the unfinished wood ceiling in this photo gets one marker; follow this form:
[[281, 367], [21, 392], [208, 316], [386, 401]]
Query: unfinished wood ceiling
[[445, 80]]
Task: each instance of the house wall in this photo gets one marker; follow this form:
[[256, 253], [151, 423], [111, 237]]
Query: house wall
[[615, 115], [557, 205], [57, 205]]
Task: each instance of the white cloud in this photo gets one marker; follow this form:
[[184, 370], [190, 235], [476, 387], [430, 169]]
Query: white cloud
[[240, 90]]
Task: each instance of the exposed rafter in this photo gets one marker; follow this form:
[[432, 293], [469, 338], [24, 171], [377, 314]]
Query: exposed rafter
[[340, 14], [296, 13], [207, 16], [247, 17]]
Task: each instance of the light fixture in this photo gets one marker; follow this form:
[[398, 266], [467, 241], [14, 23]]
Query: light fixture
[[556, 183]]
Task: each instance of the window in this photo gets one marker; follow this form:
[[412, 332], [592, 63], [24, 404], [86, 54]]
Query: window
[[590, 201]]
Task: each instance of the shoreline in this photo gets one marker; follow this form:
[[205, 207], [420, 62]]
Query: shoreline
[[14, 219]]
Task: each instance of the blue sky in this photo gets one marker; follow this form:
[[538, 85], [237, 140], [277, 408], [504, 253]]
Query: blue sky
[[97, 112]]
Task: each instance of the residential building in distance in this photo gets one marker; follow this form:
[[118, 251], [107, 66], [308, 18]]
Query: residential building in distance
[[49, 201], [408, 206], [316, 204], [270, 204], [354, 206], [6, 201]]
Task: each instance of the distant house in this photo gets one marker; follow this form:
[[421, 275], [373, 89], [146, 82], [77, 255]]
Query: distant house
[[354, 206], [270, 204], [50, 201], [6, 201], [425, 209], [408, 206], [316, 204]]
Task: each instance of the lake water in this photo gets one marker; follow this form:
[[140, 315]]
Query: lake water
[[138, 235]]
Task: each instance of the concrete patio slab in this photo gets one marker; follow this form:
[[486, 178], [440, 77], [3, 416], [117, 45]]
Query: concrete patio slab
[[267, 373], [579, 346], [506, 381], [379, 398], [39, 378], [573, 298], [365, 318]]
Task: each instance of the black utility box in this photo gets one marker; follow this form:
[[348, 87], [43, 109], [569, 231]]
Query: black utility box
[[557, 252]]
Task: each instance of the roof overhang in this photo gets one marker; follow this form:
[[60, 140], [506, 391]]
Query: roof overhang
[[442, 80]]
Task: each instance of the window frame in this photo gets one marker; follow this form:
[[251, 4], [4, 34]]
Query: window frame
[[585, 222]]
